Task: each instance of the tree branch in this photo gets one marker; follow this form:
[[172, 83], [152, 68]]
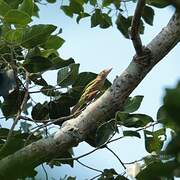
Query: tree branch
[[77, 129], [135, 26]]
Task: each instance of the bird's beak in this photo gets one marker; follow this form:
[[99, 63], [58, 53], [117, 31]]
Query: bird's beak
[[108, 70]]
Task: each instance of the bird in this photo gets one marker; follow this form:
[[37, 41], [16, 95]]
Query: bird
[[91, 90]]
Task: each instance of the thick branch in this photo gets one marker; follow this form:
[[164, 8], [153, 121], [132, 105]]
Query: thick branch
[[76, 130]]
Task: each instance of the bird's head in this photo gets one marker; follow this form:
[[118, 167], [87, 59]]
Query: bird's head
[[103, 74]]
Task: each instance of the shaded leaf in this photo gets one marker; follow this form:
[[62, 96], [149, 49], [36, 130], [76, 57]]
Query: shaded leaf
[[37, 64], [124, 23], [104, 132], [131, 133], [81, 16], [163, 118], [67, 10], [51, 1], [67, 75], [58, 109], [172, 104], [133, 120], [148, 15], [76, 7], [38, 79], [96, 18], [132, 104], [12, 103], [107, 2], [156, 170], [158, 3], [58, 62], [40, 112], [50, 91]]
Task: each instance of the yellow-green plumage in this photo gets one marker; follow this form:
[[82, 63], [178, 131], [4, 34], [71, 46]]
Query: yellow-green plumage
[[91, 90]]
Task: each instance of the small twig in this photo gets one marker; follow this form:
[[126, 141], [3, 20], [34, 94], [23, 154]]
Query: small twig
[[135, 27], [95, 177], [116, 156], [46, 175], [89, 167], [44, 90], [104, 145]]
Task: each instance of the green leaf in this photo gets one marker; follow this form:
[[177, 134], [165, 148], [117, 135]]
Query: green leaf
[[40, 112], [156, 170], [51, 1], [93, 2], [13, 4], [173, 146], [105, 21], [58, 108], [117, 4], [96, 18], [148, 15], [67, 75], [83, 79], [17, 17], [153, 140], [37, 64], [36, 35], [76, 7], [172, 104], [162, 117], [12, 103], [4, 7], [58, 62], [158, 3], [37, 79], [67, 10], [131, 133], [132, 104], [27, 6], [14, 36], [133, 120], [50, 91], [81, 16], [123, 25], [102, 19], [104, 132], [107, 2], [53, 42]]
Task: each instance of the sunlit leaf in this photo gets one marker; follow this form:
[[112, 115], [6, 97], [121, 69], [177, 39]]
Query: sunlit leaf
[[17, 17], [36, 35]]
